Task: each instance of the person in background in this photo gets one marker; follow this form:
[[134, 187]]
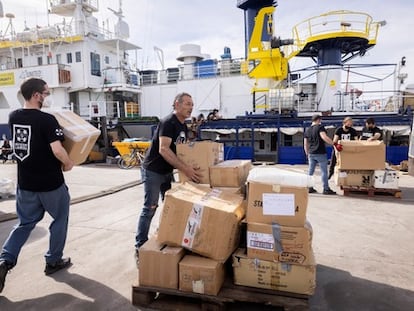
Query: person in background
[[160, 160], [314, 144], [370, 131], [6, 149], [344, 132], [37, 145]]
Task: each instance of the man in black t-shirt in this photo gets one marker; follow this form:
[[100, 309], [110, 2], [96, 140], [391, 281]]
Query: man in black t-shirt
[[37, 146], [370, 131], [314, 144], [344, 132], [161, 159]]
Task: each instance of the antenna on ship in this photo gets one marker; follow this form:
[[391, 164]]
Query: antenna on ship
[[121, 27]]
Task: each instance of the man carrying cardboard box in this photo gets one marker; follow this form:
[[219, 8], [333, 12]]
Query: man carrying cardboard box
[[41, 158], [161, 159]]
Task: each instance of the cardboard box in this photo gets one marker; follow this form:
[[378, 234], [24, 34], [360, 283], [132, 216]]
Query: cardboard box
[[201, 154], [360, 178], [230, 173], [284, 205], [386, 179], [273, 275], [204, 220], [280, 243], [158, 264], [361, 155], [80, 135], [201, 275]]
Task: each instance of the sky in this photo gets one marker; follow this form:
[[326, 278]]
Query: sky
[[214, 24]]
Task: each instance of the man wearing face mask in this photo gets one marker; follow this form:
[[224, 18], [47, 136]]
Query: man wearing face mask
[[41, 159], [344, 132], [370, 131]]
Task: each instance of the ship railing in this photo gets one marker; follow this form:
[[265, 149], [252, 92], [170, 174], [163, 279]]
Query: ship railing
[[210, 68], [121, 75], [342, 23], [96, 109]]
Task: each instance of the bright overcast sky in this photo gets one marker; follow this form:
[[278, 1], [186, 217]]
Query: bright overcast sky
[[214, 24]]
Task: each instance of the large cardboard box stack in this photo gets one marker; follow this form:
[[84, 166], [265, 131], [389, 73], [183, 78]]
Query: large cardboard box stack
[[80, 136], [362, 164], [279, 251], [206, 222], [201, 155]]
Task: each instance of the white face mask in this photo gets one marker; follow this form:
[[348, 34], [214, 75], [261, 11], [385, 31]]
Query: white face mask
[[47, 102]]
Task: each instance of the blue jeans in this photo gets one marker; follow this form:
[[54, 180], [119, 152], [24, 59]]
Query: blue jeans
[[154, 185], [30, 208], [322, 159]]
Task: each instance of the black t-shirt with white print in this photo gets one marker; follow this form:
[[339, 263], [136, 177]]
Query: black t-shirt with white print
[[37, 167], [346, 135], [170, 127]]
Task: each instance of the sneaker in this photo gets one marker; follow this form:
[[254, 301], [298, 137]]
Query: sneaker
[[4, 268], [311, 190], [329, 191], [61, 264]]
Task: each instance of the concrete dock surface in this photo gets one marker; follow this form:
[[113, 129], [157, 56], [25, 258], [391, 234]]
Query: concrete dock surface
[[364, 247]]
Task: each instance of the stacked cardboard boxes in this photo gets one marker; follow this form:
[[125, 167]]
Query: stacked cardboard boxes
[[202, 221], [279, 251], [362, 164]]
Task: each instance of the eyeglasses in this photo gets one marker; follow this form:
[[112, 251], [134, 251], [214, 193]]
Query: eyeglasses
[[46, 93]]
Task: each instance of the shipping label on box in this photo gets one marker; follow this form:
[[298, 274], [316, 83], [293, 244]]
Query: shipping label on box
[[201, 155], [360, 178], [269, 204], [80, 136], [386, 179], [361, 155], [204, 220], [158, 264], [280, 243], [285, 277], [230, 173], [201, 275]]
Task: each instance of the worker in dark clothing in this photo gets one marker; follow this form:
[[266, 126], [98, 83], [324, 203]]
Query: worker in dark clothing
[[160, 160], [370, 131], [344, 132], [314, 145]]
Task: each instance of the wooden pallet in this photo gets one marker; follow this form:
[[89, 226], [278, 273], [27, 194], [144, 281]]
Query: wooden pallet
[[371, 191], [230, 297]]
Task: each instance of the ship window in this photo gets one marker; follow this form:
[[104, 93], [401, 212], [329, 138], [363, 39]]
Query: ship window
[[19, 63], [58, 58], [69, 58], [78, 57], [107, 60], [40, 61], [95, 64]]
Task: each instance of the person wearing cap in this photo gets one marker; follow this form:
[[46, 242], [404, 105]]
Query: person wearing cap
[[314, 145], [370, 131], [344, 132]]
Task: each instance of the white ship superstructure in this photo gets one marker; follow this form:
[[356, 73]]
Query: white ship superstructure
[[86, 66]]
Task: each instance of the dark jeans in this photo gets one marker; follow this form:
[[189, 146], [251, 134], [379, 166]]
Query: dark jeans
[[154, 185], [332, 165]]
